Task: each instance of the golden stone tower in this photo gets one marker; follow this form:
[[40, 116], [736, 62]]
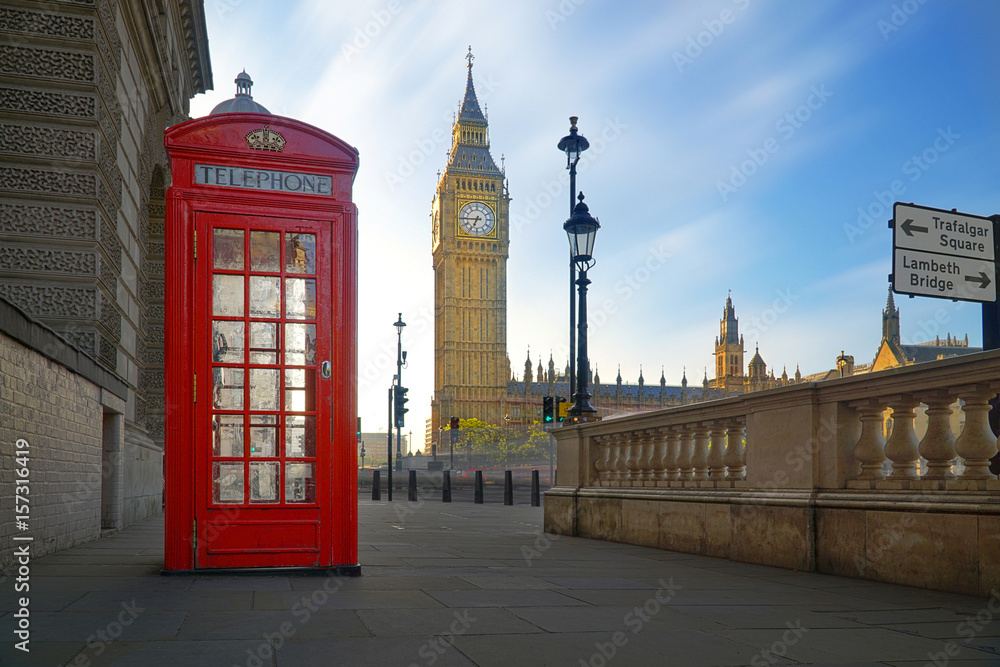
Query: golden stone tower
[[469, 236]]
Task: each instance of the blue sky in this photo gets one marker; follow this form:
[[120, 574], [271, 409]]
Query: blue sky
[[735, 145]]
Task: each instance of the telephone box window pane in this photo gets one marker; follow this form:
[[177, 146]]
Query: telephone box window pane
[[265, 251], [227, 295], [263, 343], [265, 296], [264, 482], [227, 482], [263, 435], [227, 389], [227, 342], [300, 298], [300, 390], [227, 435], [300, 483], [300, 253], [227, 249], [300, 344], [300, 435], [264, 389]]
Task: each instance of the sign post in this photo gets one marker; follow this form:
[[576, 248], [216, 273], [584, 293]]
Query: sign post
[[948, 255]]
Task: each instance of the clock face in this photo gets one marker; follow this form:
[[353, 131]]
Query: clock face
[[477, 218]]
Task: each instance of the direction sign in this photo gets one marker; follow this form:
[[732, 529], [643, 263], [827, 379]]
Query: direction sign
[[943, 232], [931, 274], [943, 254]]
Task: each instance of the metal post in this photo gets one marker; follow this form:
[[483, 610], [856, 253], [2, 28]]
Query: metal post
[[376, 485], [991, 311], [479, 488], [412, 490], [388, 447], [581, 403], [536, 499], [446, 487], [508, 488]]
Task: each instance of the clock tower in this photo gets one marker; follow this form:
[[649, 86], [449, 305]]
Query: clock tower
[[470, 237]]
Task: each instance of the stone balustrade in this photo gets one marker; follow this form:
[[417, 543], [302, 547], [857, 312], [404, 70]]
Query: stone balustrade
[[803, 476]]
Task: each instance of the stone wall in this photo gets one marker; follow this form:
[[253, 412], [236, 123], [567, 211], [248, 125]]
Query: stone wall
[[58, 401], [830, 476]]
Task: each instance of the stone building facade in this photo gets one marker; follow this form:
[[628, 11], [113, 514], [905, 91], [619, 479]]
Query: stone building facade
[[86, 89]]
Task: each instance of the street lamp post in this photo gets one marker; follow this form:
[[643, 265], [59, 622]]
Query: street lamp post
[[573, 144], [400, 358], [581, 229]]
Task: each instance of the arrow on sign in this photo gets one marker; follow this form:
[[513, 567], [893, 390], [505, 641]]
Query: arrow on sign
[[982, 279], [909, 227]]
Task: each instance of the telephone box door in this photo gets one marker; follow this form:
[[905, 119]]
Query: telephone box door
[[263, 335]]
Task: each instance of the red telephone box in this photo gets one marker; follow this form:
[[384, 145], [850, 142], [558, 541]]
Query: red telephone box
[[261, 284]]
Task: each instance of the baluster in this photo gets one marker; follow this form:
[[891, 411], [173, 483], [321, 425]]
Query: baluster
[[869, 450], [977, 444], [646, 446], [717, 451], [902, 447], [672, 445], [618, 465], [938, 445], [736, 466], [630, 460], [684, 453], [699, 454], [659, 453], [635, 457], [600, 459]]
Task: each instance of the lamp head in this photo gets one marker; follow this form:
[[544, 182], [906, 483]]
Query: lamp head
[[573, 144], [399, 324], [581, 229]]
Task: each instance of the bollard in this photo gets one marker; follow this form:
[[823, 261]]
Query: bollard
[[412, 491], [479, 487], [446, 487], [536, 499], [508, 488], [376, 485]]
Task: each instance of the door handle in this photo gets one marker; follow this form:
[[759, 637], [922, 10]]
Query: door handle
[[325, 370]]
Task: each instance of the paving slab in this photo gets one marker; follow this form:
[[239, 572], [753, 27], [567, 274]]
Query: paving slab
[[466, 584]]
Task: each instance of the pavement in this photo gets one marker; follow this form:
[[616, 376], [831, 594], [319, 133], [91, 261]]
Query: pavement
[[466, 584]]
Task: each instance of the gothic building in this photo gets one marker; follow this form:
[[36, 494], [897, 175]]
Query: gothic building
[[87, 90], [469, 238]]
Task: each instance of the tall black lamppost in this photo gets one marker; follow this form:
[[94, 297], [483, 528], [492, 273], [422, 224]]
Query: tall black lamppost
[[581, 228], [573, 144], [400, 358]]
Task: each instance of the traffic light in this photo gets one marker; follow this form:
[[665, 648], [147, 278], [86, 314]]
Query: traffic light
[[562, 409], [454, 423], [359, 430], [399, 398], [547, 412]]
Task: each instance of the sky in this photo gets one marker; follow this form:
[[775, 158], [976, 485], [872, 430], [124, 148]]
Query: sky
[[736, 146]]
